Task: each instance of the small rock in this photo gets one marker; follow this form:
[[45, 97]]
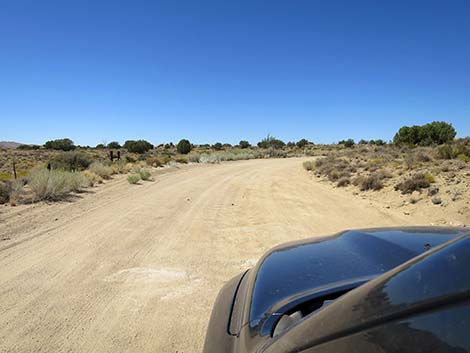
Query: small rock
[[436, 200]]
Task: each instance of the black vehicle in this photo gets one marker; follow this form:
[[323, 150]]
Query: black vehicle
[[378, 290]]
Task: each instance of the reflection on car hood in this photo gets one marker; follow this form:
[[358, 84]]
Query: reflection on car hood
[[298, 267]]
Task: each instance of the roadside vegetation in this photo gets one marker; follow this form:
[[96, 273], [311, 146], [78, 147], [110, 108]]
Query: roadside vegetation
[[422, 162], [418, 159]]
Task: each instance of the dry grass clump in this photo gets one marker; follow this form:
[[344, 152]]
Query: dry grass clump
[[145, 175], [121, 167], [373, 181], [334, 168], [308, 165], [54, 185], [92, 178], [416, 182], [182, 160], [194, 157], [133, 178], [153, 161], [5, 191], [101, 170], [343, 182]]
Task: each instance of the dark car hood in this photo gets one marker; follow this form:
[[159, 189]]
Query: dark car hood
[[296, 271]]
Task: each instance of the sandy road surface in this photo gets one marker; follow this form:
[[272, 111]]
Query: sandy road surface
[[136, 268]]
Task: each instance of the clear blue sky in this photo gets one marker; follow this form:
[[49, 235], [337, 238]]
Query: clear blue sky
[[212, 71]]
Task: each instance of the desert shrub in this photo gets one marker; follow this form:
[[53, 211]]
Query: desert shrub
[[371, 182], [114, 145], [28, 147], [165, 160], [343, 182], [217, 146], [458, 151], [302, 143], [347, 143], [130, 159], [445, 152], [429, 177], [308, 165], [415, 183], [76, 181], [65, 144], [271, 142], [71, 161], [100, 169], [145, 174], [378, 142], [5, 191], [437, 132], [384, 174], [120, 167], [194, 157], [139, 146], [374, 163], [244, 144], [184, 146], [422, 156], [55, 184], [210, 158], [182, 160], [153, 161], [92, 178], [17, 192], [133, 179]]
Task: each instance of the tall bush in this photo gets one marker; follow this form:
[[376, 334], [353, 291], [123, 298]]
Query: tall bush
[[184, 146]]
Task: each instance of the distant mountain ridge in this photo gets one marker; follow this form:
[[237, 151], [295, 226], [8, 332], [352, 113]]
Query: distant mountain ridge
[[9, 145]]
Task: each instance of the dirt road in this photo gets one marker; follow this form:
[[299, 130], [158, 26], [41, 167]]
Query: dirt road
[[136, 268]]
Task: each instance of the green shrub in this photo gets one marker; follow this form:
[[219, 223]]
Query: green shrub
[[217, 146], [101, 170], [60, 144], [347, 143], [145, 174], [114, 145], [139, 146], [28, 147], [184, 146], [71, 161], [437, 132], [302, 143], [271, 142], [244, 144], [133, 179]]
